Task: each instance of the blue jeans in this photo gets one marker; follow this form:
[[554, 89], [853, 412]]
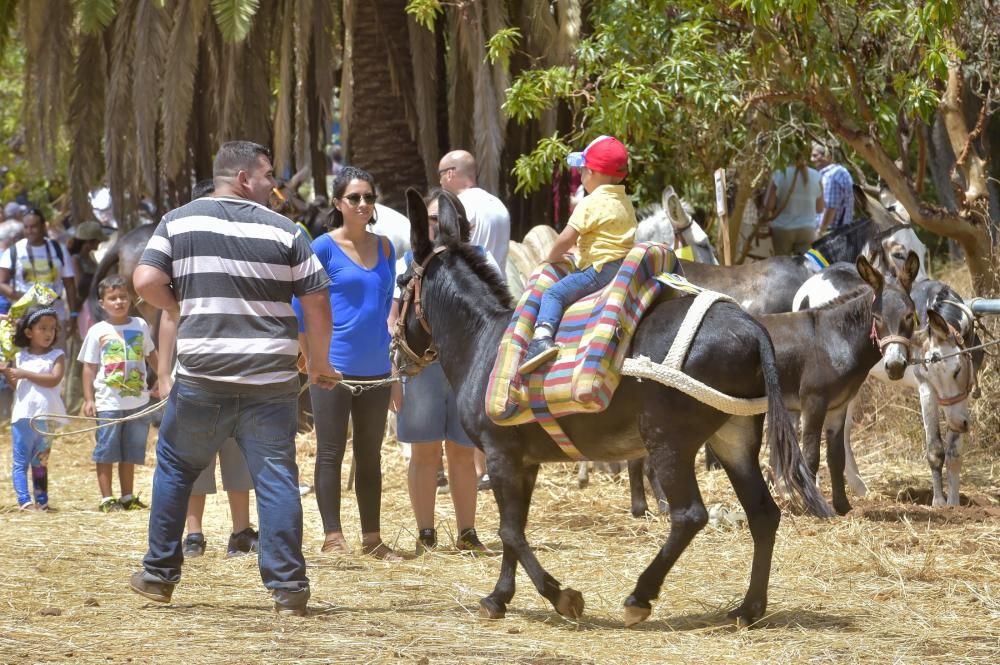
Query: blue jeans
[[571, 288], [195, 424], [30, 449]]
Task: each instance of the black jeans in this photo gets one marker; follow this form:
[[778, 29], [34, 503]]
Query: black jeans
[[367, 412]]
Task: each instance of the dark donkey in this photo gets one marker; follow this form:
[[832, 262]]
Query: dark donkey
[[452, 291]]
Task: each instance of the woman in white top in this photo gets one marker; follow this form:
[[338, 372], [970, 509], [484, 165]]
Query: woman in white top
[[794, 198]]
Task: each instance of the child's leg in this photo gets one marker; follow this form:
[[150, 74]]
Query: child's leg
[[40, 483], [126, 478], [20, 440], [104, 472], [568, 290]]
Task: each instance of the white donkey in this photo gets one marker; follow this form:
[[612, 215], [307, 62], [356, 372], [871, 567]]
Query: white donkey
[[670, 222], [944, 373]]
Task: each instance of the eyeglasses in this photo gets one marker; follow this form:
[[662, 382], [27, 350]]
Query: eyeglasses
[[355, 199], [441, 172]]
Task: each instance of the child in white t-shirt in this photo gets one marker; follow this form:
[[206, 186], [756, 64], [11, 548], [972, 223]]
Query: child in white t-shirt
[[114, 356]]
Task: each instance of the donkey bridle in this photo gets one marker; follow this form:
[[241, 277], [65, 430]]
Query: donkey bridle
[[413, 294]]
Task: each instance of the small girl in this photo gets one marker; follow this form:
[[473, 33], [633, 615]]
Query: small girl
[[36, 374]]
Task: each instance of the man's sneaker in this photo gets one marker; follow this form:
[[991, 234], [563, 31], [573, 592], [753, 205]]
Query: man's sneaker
[[132, 503], [468, 541], [110, 505], [158, 591], [540, 351], [242, 543], [282, 610], [194, 545], [426, 541]]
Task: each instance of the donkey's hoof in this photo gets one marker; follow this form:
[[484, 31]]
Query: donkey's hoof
[[842, 507], [491, 609], [635, 614], [747, 614], [570, 603]]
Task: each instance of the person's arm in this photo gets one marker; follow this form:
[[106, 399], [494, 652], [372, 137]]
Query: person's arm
[[7, 285], [396, 391], [827, 218], [166, 341], [49, 379], [153, 285], [820, 204], [563, 244], [771, 200], [89, 373], [318, 328]]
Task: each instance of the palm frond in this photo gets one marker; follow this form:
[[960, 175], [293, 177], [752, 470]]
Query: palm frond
[[326, 53], [303, 54], [86, 115], [423, 57], [150, 34], [461, 96], [231, 110], [45, 23], [234, 17], [179, 80], [486, 106], [347, 78], [497, 20], [256, 78], [118, 119], [286, 90], [95, 15]]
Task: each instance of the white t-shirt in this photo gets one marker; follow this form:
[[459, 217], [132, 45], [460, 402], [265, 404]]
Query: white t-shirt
[[31, 399], [43, 266], [490, 222], [800, 210], [120, 355]]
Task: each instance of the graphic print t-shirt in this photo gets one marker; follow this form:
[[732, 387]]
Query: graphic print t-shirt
[[120, 355]]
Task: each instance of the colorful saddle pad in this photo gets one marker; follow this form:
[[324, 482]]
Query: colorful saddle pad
[[594, 337]]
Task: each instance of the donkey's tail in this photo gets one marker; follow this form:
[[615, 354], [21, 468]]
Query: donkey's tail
[[781, 437]]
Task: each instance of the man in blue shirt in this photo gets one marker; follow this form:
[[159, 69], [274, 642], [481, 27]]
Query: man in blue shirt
[[838, 190]]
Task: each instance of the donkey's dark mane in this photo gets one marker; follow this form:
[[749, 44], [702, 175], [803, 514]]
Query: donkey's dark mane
[[477, 262], [844, 297]]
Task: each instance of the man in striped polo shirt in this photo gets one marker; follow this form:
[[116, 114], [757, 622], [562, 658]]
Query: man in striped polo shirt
[[229, 266]]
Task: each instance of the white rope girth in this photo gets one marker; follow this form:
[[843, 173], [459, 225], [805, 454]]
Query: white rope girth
[[670, 374]]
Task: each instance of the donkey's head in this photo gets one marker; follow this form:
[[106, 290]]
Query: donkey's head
[[948, 370], [894, 315]]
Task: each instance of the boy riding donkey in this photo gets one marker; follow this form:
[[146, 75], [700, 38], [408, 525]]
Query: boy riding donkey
[[603, 228]]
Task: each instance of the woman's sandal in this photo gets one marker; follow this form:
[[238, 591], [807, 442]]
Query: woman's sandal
[[381, 551], [335, 544]]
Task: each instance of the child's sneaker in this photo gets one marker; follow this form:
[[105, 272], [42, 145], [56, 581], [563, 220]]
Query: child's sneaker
[[194, 545], [426, 541], [468, 541], [110, 505], [132, 503], [242, 543]]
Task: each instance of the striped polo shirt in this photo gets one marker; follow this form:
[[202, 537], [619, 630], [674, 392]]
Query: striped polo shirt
[[235, 266]]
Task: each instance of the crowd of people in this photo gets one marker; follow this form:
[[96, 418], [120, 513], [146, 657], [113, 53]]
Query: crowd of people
[[244, 293]]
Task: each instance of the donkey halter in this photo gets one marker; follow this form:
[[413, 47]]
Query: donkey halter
[[413, 294], [966, 358], [885, 341]]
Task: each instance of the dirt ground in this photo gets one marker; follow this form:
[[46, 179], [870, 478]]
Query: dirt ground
[[892, 582]]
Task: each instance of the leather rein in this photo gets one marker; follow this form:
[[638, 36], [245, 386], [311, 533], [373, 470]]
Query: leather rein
[[412, 294]]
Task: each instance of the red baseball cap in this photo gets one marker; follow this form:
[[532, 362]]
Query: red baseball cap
[[605, 154]]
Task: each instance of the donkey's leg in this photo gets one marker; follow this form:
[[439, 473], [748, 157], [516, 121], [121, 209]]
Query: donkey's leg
[[935, 446], [661, 499], [737, 447], [513, 497], [675, 470], [953, 462], [835, 459], [854, 479], [494, 606], [813, 415], [582, 474], [637, 487]]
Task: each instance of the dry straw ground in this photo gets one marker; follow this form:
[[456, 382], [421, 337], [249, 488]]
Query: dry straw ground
[[892, 582]]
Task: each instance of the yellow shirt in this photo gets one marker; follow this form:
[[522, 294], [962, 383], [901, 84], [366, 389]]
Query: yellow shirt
[[605, 220]]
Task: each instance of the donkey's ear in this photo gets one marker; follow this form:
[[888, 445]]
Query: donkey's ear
[[449, 219], [938, 326], [420, 241], [869, 274], [908, 274]]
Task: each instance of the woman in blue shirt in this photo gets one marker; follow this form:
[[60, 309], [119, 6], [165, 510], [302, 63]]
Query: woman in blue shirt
[[361, 266]]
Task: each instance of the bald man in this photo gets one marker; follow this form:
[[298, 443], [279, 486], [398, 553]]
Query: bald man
[[487, 214]]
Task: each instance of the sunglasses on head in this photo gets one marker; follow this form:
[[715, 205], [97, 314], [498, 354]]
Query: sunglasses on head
[[355, 199]]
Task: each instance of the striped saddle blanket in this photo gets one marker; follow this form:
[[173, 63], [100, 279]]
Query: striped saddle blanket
[[594, 337]]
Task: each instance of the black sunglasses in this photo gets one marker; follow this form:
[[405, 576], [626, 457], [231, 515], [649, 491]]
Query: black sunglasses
[[355, 199]]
